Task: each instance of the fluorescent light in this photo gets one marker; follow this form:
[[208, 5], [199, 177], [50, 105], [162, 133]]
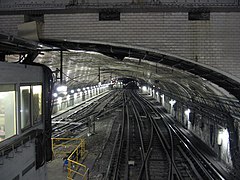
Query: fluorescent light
[[144, 88], [62, 88], [187, 112], [172, 102]]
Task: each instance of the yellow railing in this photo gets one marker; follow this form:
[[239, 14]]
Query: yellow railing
[[76, 168], [75, 149], [65, 146]]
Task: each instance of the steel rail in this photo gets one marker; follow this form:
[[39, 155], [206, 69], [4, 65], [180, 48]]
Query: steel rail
[[145, 151], [120, 149], [206, 167], [160, 137]]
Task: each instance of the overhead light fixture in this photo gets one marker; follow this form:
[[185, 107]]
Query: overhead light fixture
[[62, 88], [223, 138], [78, 51], [172, 102], [187, 112], [144, 88]]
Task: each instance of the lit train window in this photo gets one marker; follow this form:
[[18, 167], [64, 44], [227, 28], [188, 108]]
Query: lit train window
[[7, 111], [37, 103], [25, 106]]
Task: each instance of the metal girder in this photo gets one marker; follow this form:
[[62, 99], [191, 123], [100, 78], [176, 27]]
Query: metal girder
[[15, 45]]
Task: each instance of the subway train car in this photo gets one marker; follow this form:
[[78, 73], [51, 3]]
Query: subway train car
[[25, 121]]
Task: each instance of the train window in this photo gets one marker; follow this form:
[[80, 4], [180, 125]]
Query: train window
[[37, 103], [25, 106], [7, 111]]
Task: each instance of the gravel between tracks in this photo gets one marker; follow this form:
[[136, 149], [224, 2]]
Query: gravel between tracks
[[100, 145]]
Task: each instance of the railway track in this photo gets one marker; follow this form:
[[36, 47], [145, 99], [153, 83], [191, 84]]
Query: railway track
[[149, 147], [78, 120], [146, 143], [156, 163], [117, 168], [187, 162], [139, 152]]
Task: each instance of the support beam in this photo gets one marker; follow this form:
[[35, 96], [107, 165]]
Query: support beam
[[30, 57], [99, 77], [61, 67]]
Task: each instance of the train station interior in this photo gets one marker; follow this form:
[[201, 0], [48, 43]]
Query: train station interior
[[129, 89]]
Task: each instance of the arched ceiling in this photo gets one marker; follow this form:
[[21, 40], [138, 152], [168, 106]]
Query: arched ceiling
[[81, 69], [181, 79], [118, 51]]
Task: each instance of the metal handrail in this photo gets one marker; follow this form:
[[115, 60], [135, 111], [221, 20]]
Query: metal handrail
[[68, 143], [74, 165]]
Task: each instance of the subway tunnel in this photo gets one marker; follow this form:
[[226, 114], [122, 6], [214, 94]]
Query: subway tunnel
[[202, 98], [182, 84]]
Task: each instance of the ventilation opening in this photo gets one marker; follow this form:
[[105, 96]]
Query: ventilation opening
[[109, 15], [199, 16], [34, 17]]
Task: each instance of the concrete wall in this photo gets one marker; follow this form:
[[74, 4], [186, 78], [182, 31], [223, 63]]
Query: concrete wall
[[215, 42]]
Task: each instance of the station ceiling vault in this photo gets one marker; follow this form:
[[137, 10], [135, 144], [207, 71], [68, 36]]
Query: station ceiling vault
[[181, 79]]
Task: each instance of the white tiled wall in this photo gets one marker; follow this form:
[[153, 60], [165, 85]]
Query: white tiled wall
[[9, 23], [215, 42]]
